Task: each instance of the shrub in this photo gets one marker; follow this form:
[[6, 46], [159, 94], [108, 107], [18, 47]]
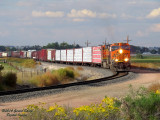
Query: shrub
[[141, 105], [106, 110], [46, 79], [10, 79], [139, 56], [65, 72]]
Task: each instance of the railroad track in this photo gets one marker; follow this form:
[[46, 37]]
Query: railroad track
[[6, 96]]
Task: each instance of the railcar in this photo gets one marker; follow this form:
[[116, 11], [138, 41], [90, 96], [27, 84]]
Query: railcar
[[115, 56]]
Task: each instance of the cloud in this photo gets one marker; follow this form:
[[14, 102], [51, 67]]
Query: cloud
[[88, 13], [132, 2], [23, 3], [154, 13], [47, 14], [106, 15], [81, 13], [78, 20], [125, 16], [155, 28]]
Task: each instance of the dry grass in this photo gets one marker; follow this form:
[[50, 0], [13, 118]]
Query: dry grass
[[80, 68], [46, 79], [154, 87], [147, 65]]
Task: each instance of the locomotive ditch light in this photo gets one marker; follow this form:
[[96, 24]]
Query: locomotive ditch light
[[120, 51], [126, 59], [116, 60]]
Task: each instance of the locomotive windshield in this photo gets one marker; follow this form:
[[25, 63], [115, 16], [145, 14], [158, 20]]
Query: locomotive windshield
[[126, 47], [115, 48]]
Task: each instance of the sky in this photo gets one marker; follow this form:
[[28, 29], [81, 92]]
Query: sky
[[39, 22]]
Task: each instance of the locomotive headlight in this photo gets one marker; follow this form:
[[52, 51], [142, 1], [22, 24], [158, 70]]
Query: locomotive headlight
[[116, 60], [126, 59], [120, 51]]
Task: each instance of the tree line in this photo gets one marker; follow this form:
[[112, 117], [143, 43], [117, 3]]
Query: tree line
[[65, 45]]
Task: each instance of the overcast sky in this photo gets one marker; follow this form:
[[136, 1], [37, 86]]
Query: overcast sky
[[39, 22]]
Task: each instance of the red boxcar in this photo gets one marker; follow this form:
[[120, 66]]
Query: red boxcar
[[0, 54], [43, 55], [21, 54], [15, 54], [34, 55]]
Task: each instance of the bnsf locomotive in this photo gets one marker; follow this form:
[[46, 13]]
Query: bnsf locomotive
[[115, 56]]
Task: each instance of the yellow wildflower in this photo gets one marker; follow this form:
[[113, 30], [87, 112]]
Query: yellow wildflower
[[157, 92]]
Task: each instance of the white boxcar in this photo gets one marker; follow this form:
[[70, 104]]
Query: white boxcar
[[87, 54], [78, 55], [63, 55], [29, 53], [58, 55], [49, 54], [4, 54], [70, 55]]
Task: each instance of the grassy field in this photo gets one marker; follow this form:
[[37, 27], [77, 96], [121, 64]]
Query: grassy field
[[27, 63], [146, 61]]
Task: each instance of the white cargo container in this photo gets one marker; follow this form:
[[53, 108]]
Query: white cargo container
[[25, 54], [63, 55], [87, 54], [70, 55], [4, 54], [78, 55], [58, 53], [49, 54], [29, 53]]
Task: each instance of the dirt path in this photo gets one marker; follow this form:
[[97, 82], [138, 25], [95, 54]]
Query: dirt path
[[86, 96]]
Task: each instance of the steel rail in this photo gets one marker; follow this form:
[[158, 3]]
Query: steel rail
[[20, 91]]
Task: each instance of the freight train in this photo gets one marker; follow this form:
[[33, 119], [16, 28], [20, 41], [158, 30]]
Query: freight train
[[115, 56]]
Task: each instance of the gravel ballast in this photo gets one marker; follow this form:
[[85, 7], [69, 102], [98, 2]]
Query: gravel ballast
[[29, 95]]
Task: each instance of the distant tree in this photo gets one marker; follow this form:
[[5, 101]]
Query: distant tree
[[153, 51], [2, 48], [13, 49], [135, 49], [63, 45], [158, 50]]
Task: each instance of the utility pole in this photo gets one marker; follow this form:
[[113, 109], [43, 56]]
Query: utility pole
[[74, 45], [128, 39], [87, 43], [105, 42]]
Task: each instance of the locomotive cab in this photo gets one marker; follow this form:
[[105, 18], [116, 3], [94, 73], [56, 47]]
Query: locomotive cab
[[120, 56]]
